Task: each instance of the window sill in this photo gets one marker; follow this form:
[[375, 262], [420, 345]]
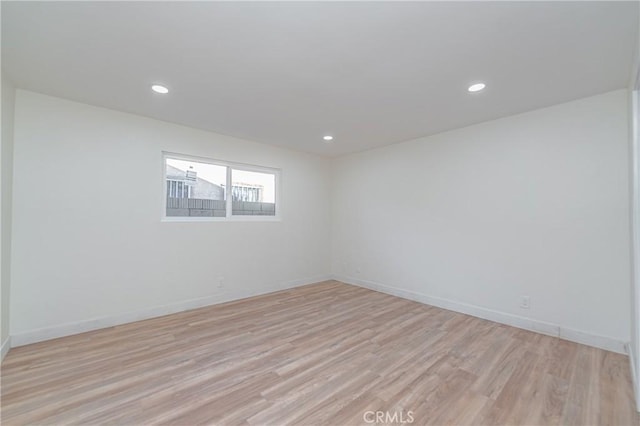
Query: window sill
[[222, 219]]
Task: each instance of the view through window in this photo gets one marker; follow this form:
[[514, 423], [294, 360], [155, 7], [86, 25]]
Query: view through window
[[253, 193], [197, 189]]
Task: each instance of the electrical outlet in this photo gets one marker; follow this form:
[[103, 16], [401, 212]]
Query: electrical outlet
[[220, 282], [525, 302]]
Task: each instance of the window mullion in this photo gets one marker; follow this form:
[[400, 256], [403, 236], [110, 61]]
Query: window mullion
[[229, 194]]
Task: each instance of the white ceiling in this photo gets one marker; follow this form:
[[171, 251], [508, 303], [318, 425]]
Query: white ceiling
[[287, 73]]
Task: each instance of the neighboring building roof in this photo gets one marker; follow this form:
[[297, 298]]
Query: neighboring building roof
[[174, 173]]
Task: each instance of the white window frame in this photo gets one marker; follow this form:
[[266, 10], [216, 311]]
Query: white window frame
[[228, 193]]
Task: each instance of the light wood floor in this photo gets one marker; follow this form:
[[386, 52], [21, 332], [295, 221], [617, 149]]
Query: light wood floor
[[320, 354]]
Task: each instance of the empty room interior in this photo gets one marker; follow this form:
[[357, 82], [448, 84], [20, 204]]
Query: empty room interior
[[320, 213]]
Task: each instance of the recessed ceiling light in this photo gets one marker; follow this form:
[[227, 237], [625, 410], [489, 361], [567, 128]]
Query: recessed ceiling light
[[159, 89], [328, 138], [476, 87]]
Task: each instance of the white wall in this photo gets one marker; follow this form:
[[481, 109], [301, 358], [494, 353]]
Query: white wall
[[634, 108], [77, 256], [535, 204], [6, 154]]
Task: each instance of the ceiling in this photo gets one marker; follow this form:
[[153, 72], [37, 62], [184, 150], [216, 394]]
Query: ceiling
[[287, 73]]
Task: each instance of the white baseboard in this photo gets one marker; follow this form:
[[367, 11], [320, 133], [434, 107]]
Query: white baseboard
[[6, 345], [61, 330], [550, 329]]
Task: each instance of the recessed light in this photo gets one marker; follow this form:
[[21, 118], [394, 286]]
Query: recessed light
[[476, 87], [159, 89], [327, 138]]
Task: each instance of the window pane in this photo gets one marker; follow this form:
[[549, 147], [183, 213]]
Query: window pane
[[195, 189], [253, 193]]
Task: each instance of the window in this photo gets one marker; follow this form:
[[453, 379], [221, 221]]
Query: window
[[253, 193], [177, 189], [196, 189]]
